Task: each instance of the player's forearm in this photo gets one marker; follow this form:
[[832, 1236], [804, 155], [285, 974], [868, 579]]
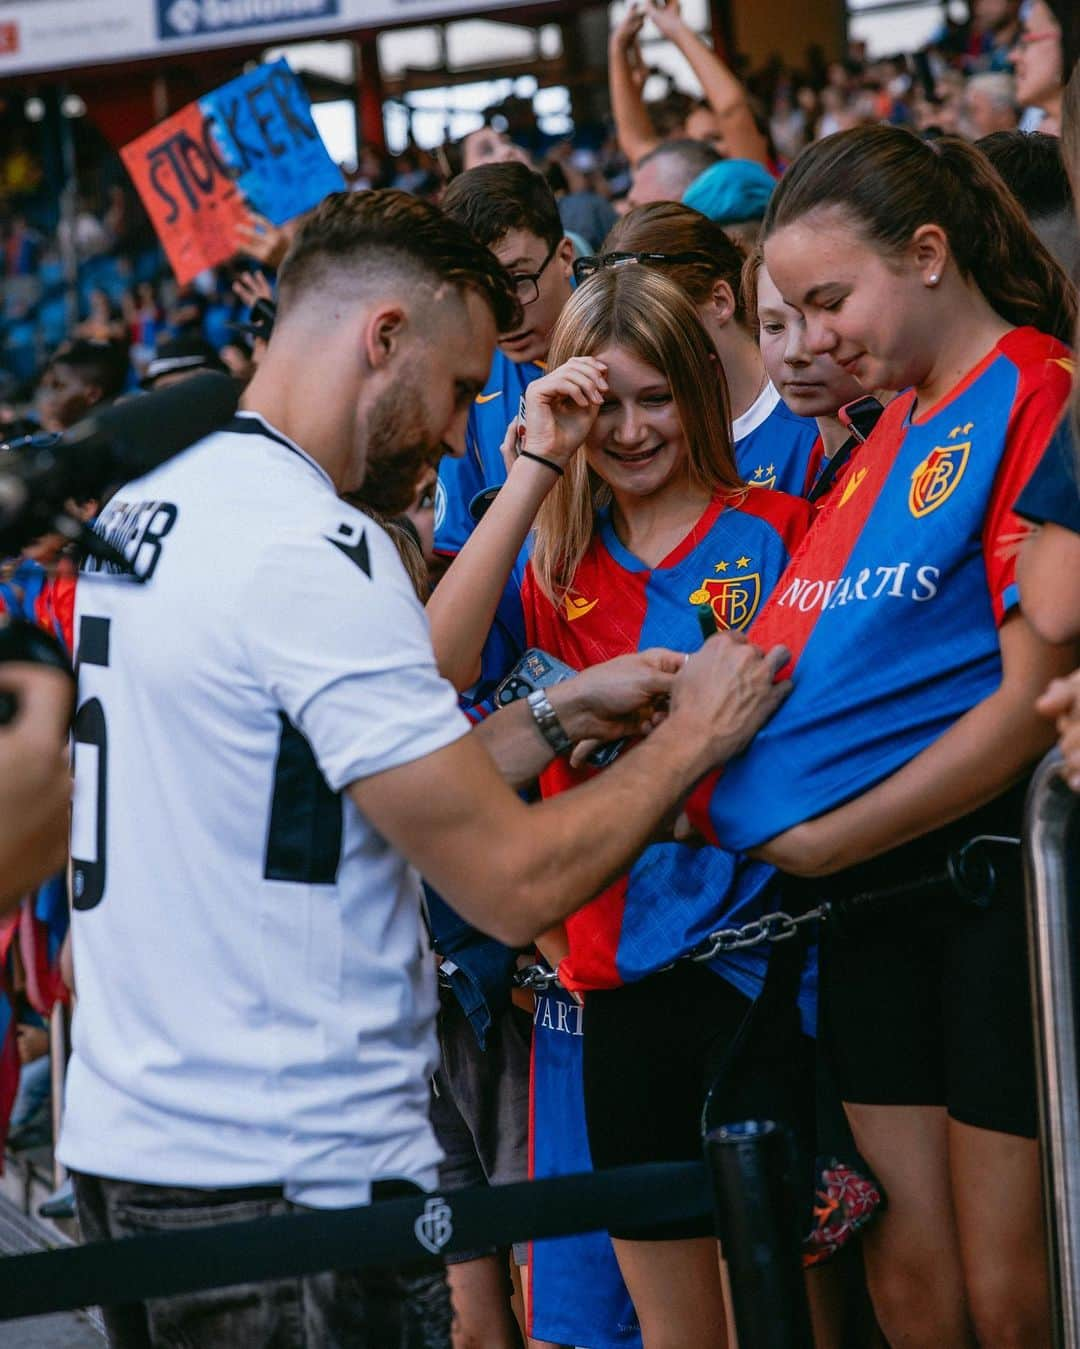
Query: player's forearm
[[512, 739], [633, 129], [463, 606]]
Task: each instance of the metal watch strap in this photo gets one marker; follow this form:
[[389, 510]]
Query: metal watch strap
[[547, 722]]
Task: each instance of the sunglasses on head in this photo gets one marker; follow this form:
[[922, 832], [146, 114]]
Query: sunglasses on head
[[591, 264]]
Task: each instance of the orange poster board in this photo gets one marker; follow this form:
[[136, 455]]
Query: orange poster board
[[188, 190]]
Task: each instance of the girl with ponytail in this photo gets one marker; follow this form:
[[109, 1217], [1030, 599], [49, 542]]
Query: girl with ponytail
[[914, 269]]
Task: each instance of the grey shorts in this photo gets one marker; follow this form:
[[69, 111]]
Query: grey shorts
[[341, 1309], [480, 1104]]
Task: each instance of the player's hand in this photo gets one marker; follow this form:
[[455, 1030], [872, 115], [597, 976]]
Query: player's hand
[[665, 16], [561, 408], [1061, 704], [621, 697], [726, 693]]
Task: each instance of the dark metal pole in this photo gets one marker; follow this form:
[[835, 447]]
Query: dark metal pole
[[1051, 827], [750, 1166]]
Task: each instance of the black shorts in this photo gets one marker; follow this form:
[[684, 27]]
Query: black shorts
[[932, 1005], [652, 1051]]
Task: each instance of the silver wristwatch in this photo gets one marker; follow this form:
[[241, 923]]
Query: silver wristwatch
[[547, 722]]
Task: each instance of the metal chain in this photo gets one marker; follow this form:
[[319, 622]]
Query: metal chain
[[773, 927], [536, 978]]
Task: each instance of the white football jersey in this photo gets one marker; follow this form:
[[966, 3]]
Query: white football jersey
[[255, 993]]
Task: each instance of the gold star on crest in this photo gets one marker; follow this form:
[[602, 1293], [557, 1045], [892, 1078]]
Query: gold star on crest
[[771, 469], [721, 566], [743, 561]]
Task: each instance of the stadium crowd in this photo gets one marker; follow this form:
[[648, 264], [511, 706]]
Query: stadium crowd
[[637, 538]]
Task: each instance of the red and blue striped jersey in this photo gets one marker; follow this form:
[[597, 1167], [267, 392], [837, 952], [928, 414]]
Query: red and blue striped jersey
[[674, 894], [891, 606]]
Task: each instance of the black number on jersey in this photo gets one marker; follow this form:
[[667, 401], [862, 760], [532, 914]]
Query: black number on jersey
[[88, 874]]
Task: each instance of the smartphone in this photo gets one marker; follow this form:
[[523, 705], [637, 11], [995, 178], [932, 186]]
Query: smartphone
[[537, 670], [861, 416]]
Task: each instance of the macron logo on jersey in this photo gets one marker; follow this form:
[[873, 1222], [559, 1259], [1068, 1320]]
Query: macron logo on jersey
[[352, 542], [903, 581]]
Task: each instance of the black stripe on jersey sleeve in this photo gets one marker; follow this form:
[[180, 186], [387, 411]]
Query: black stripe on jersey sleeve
[[303, 842]]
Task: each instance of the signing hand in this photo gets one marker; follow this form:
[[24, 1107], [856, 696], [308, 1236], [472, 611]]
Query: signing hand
[[1061, 703], [621, 697], [726, 693], [561, 407]]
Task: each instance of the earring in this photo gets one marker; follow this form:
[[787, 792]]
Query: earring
[[934, 278]]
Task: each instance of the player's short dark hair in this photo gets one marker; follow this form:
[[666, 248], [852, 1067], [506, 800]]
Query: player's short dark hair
[[1033, 167], [369, 232], [104, 364], [493, 199]]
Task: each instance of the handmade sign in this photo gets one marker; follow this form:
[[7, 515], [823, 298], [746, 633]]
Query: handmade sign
[[249, 146]]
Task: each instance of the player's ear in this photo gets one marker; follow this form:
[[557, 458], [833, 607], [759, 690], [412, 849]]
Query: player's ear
[[383, 334]]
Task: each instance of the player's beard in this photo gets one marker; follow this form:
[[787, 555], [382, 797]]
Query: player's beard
[[399, 448]]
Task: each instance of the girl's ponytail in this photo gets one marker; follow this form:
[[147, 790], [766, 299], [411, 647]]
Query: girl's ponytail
[[891, 182]]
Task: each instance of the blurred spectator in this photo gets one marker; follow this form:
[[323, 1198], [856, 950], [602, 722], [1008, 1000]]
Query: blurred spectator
[[179, 360], [664, 173], [79, 375], [1033, 166], [734, 193], [1039, 60], [989, 104], [994, 28], [104, 322]]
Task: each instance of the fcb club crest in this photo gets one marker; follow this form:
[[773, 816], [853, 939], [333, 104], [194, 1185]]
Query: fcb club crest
[[734, 599], [938, 476]]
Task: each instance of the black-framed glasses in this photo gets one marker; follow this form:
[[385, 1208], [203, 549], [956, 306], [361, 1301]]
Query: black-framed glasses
[[527, 284], [591, 264]]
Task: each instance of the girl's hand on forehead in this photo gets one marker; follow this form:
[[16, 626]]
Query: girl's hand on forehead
[[561, 408]]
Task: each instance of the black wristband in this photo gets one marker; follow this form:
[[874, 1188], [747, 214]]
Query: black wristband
[[539, 459]]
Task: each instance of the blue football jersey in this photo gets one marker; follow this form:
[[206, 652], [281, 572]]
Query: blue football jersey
[[774, 447]]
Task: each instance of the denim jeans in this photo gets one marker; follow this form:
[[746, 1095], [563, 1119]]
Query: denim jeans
[[340, 1309]]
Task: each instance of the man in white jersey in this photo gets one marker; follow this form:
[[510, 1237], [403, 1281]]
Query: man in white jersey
[[264, 745]]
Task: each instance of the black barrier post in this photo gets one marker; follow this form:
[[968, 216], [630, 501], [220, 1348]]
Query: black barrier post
[[757, 1222]]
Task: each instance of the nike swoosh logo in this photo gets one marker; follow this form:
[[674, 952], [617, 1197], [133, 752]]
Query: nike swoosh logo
[[487, 397], [578, 607]]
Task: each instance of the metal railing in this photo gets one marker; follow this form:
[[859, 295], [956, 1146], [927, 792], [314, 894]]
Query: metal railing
[[1052, 880]]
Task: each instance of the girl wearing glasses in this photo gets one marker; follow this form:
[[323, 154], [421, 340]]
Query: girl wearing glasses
[[640, 521], [915, 269], [773, 445]]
